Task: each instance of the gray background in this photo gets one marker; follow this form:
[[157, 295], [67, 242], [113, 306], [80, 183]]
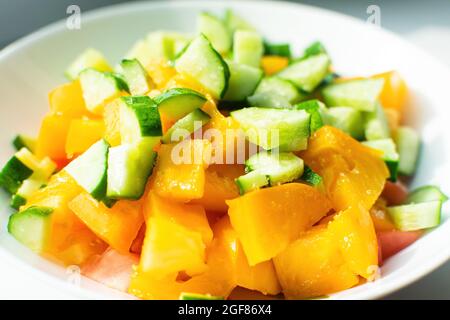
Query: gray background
[[427, 23]]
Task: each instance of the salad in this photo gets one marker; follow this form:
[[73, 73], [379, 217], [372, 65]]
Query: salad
[[220, 165]]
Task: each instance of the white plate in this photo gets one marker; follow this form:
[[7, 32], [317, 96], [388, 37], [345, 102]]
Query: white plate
[[34, 65]]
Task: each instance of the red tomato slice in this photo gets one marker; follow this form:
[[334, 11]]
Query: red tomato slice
[[111, 269], [395, 193], [394, 241]]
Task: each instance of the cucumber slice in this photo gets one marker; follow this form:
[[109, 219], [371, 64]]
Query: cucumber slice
[[274, 92], [311, 178], [348, 120], [278, 167], [178, 102], [165, 44], [251, 181], [186, 126], [285, 129], [277, 49], [31, 227], [235, 22], [42, 169], [408, 144], [307, 73], [215, 30], [136, 77], [90, 169], [248, 48], [139, 118], [360, 94], [26, 190], [140, 51], [17, 201], [390, 155], [313, 49], [417, 216], [129, 166], [426, 194], [317, 110], [90, 58], [377, 126], [13, 174], [24, 141], [99, 87], [196, 296], [200, 61], [243, 81]]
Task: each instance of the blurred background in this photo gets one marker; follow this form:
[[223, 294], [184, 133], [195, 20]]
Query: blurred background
[[425, 23]]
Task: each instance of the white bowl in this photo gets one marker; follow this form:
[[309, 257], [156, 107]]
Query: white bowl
[[34, 65]]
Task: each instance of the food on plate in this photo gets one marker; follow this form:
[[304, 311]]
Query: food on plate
[[218, 165]]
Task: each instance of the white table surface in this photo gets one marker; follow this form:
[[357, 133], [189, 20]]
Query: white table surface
[[425, 23]]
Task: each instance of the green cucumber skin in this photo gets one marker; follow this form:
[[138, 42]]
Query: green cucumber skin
[[13, 174], [251, 181], [390, 155], [313, 49], [147, 114], [19, 225], [317, 111], [135, 76], [311, 178], [426, 194], [277, 49], [170, 102], [408, 144], [22, 141], [17, 201], [411, 217], [186, 123]]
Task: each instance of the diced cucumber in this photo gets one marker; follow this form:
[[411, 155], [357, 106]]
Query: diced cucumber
[[390, 155], [359, 94], [178, 102], [129, 166], [202, 62], [277, 49], [274, 92], [13, 174], [416, 216], [314, 49], [136, 77], [215, 30], [347, 119], [251, 181], [165, 44], [426, 194], [139, 118], [17, 201], [285, 129], [278, 167], [235, 22], [99, 87], [196, 296], [186, 126], [90, 169], [140, 51], [31, 227], [24, 141], [317, 110], [42, 169], [90, 58], [248, 48], [307, 73], [311, 178], [376, 124], [243, 81], [408, 146]]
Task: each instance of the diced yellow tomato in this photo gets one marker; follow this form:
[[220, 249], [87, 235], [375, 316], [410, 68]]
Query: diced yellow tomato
[[354, 233], [273, 64], [82, 134], [136, 246], [219, 278], [313, 266], [67, 100], [179, 173], [184, 249], [393, 118], [244, 294], [395, 91], [380, 217], [353, 174], [183, 81], [268, 220], [52, 138], [111, 117], [118, 226], [71, 242], [160, 71], [220, 186]]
